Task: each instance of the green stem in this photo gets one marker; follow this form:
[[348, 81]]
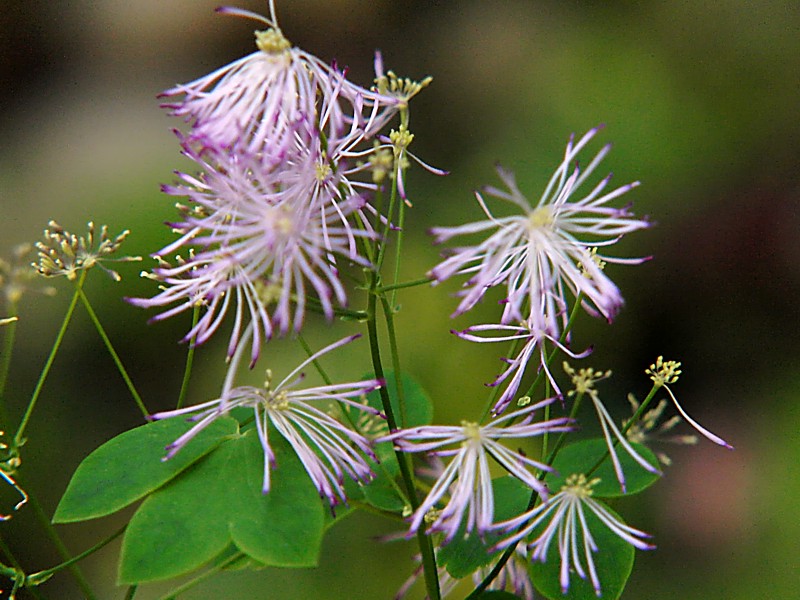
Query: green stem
[[425, 545], [388, 314], [398, 250], [16, 574], [356, 315], [402, 285], [187, 370], [41, 576], [347, 414], [114, 355], [5, 570], [74, 569], [636, 416], [172, 595], [131, 592], [9, 332], [19, 440], [387, 228]]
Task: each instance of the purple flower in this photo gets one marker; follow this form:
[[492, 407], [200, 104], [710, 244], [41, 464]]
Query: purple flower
[[546, 253], [260, 234], [466, 479], [563, 517], [534, 342], [328, 448], [256, 100]]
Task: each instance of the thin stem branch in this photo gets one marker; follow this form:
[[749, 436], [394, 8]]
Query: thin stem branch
[[402, 285], [19, 440], [9, 335], [388, 314], [15, 574], [8, 572], [62, 549], [112, 352], [398, 248], [172, 595], [636, 416], [41, 576], [356, 315], [187, 370]]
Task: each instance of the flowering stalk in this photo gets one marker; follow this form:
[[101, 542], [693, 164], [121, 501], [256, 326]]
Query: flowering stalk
[[423, 540]]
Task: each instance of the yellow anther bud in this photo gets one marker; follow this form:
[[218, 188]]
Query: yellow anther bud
[[664, 372]]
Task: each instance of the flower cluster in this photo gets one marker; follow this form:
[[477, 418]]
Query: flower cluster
[[547, 262], [288, 153], [289, 156], [279, 200], [67, 254]]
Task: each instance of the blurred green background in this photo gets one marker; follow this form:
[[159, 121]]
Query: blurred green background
[[701, 102]]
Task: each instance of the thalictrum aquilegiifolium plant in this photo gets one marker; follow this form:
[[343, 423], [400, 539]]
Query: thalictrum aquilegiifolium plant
[[296, 205]]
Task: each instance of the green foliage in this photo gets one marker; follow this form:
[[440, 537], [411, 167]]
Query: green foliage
[[130, 466], [218, 502], [382, 492], [582, 456], [417, 407], [613, 561], [497, 595], [464, 555]]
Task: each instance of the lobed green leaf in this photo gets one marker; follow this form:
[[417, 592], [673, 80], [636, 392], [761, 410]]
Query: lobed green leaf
[[613, 561], [130, 466], [464, 554], [218, 502], [582, 456], [498, 595]]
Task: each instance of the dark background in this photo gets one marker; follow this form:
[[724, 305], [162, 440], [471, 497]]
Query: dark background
[[701, 102]]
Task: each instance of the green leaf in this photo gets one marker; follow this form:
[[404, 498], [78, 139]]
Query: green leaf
[[463, 555], [382, 493], [354, 492], [130, 466], [582, 456], [183, 525], [284, 527], [418, 406], [497, 595], [613, 561], [218, 502], [232, 559]]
